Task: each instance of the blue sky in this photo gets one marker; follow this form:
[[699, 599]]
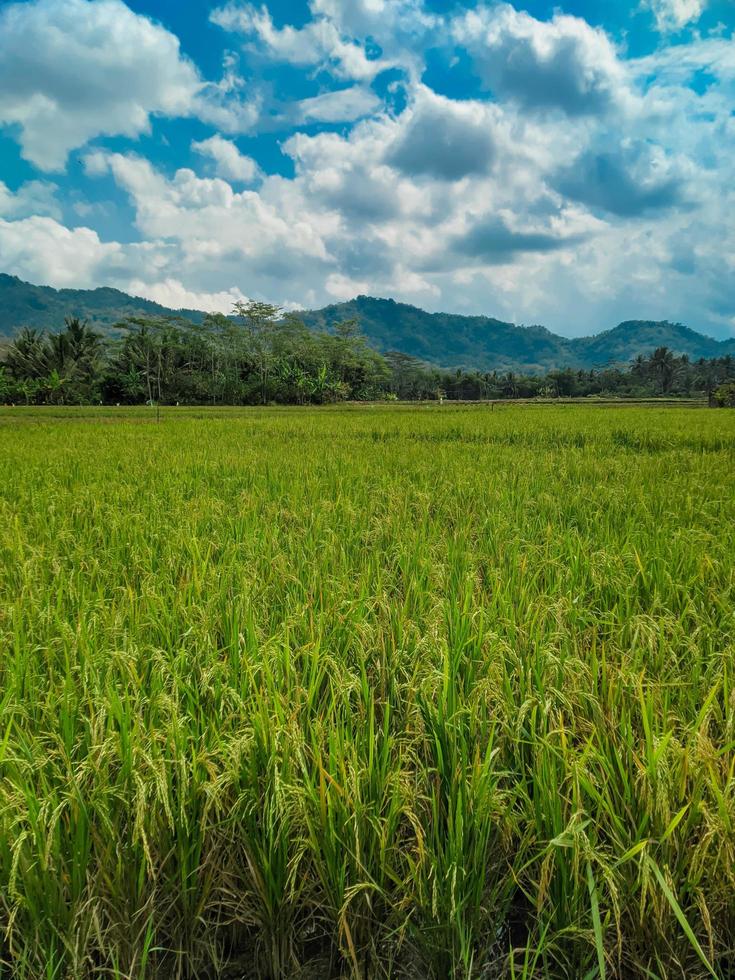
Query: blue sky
[[561, 164]]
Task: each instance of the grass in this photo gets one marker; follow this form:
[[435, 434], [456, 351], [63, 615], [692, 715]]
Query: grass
[[378, 692]]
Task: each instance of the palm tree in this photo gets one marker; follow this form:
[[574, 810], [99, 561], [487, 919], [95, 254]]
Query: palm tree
[[27, 356], [663, 365]]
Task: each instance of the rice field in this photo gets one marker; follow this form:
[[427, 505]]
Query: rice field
[[412, 692]]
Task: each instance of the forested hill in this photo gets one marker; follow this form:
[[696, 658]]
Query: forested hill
[[483, 343], [448, 339], [445, 339], [25, 305], [629, 339]]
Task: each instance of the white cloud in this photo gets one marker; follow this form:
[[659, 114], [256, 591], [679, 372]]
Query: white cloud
[[343, 288], [72, 70], [444, 138], [632, 179], [677, 64], [319, 42], [563, 63], [42, 250], [172, 293], [349, 178], [487, 243], [673, 15], [207, 217], [402, 28], [342, 105], [359, 216], [229, 162], [376, 18], [35, 197]]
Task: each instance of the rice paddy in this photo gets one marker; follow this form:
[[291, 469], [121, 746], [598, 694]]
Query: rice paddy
[[437, 692]]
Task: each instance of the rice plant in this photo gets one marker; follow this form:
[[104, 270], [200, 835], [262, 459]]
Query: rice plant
[[367, 692]]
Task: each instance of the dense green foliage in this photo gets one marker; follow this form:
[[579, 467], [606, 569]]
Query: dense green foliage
[[436, 692], [254, 357], [474, 343], [258, 356]]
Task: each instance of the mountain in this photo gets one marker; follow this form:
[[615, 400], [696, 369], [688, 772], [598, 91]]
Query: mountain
[[482, 342], [634, 337], [25, 305], [445, 339]]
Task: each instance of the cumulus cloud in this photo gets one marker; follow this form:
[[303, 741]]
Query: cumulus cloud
[[673, 15], [633, 179], [342, 105], [205, 215], [72, 70], [357, 193], [42, 250], [350, 39], [35, 197], [377, 18], [342, 288], [350, 176], [563, 63], [172, 293], [319, 42], [445, 139], [492, 240], [229, 162], [402, 28], [214, 239], [523, 232]]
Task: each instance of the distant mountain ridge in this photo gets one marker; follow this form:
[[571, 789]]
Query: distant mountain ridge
[[444, 339], [452, 340]]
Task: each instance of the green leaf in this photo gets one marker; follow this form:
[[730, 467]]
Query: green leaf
[[671, 899], [597, 924]]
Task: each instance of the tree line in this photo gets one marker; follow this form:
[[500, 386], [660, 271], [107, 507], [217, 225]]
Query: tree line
[[259, 355]]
